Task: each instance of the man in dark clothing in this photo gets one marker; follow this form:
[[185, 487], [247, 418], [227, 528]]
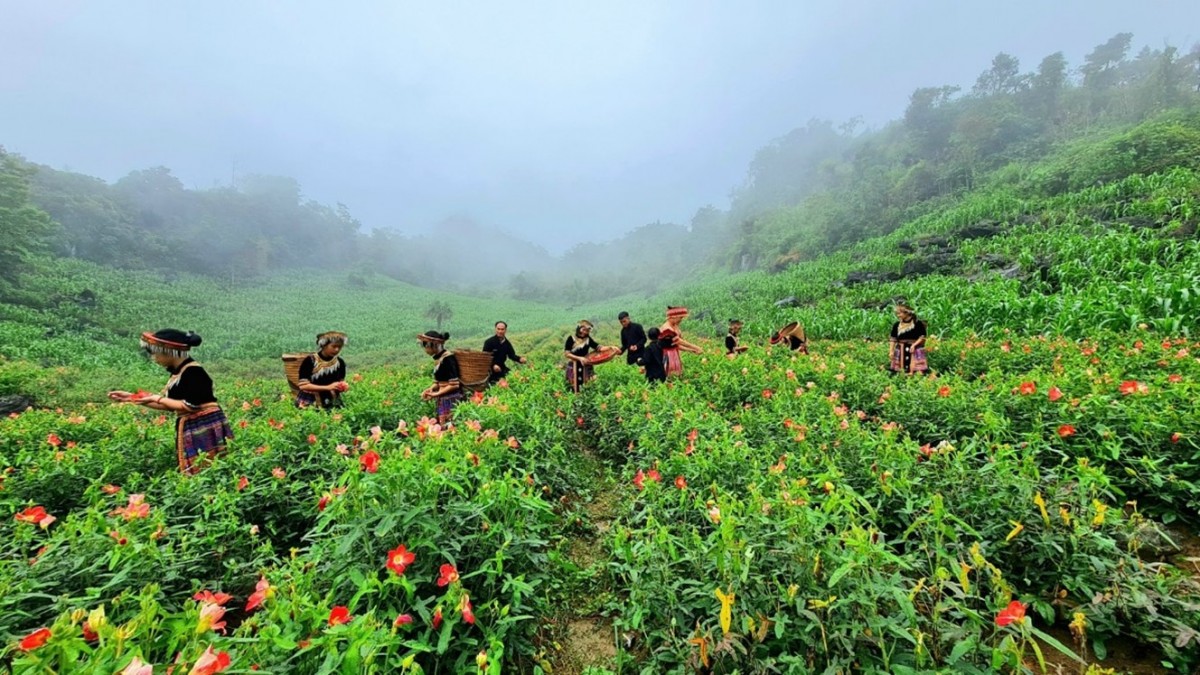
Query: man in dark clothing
[[652, 359], [502, 350], [633, 338]]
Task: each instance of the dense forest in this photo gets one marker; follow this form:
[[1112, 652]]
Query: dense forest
[[818, 188]]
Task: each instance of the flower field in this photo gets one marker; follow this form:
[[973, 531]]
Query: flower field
[[774, 513]]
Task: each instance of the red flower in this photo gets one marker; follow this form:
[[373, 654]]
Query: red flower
[[369, 461], [477, 397], [767, 393], [36, 515], [654, 475], [110, 489], [210, 617], [639, 479], [402, 620], [215, 598], [54, 440], [1054, 394], [437, 618], [468, 614], [312, 439], [278, 473], [323, 502], [210, 663], [1027, 388], [88, 634], [579, 422], [242, 483], [121, 541], [34, 640], [1175, 378], [135, 509], [944, 391], [681, 482], [1175, 437], [448, 575], [400, 558], [1015, 612], [339, 615], [261, 591], [1133, 387], [1066, 431]]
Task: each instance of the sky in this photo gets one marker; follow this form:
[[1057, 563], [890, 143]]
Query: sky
[[558, 122]]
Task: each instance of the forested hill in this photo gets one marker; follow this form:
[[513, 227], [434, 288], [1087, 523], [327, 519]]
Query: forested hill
[[1031, 132]]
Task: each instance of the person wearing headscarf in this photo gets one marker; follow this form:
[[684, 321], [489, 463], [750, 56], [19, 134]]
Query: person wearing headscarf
[[733, 345], [201, 429], [793, 334], [906, 344], [323, 374], [671, 334], [576, 349], [502, 350], [446, 388], [633, 338]]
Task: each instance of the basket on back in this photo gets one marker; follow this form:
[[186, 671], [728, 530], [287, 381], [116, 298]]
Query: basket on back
[[291, 368], [474, 368]]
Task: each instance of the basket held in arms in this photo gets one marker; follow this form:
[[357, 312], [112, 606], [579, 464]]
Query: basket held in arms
[[291, 368], [474, 368], [603, 356]]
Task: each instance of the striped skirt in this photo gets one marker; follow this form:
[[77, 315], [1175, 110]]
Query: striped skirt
[[673, 362], [199, 437], [445, 406], [578, 374]]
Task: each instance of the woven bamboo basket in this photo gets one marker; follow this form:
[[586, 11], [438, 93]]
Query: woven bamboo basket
[[291, 369], [474, 368]]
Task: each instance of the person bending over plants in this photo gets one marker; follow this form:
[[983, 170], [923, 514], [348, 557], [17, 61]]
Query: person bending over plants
[[446, 388], [201, 430]]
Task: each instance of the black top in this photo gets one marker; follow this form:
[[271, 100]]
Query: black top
[[190, 384], [501, 351], [795, 342], [632, 335], [652, 359], [580, 347], [333, 371], [915, 333], [731, 343], [446, 369]]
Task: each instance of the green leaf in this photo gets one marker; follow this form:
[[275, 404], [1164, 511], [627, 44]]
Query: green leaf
[[961, 649]]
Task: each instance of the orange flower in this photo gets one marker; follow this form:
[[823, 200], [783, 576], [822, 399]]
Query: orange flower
[[399, 559], [210, 662], [34, 640], [1133, 387], [447, 575], [54, 440], [681, 482], [369, 461], [1027, 388], [944, 391], [135, 509], [210, 617], [110, 489], [36, 515], [242, 483], [312, 439], [262, 591], [1066, 431], [1014, 613], [339, 615], [215, 598], [1054, 394]]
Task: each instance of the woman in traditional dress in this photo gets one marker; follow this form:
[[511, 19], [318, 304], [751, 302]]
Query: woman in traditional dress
[[906, 345], [323, 374], [793, 333], [446, 388], [733, 345], [201, 430], [671, 332], [579, 370]]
